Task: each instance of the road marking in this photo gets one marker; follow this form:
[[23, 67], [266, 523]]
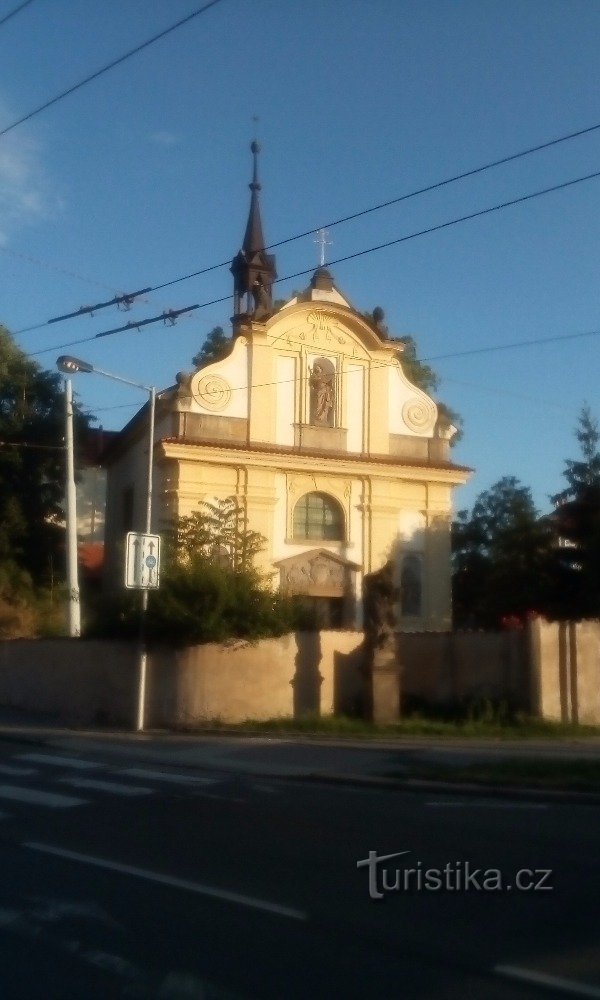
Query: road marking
[[221, 798], [568, 986], [442, 803], [446, 804], [56, 761], [176, 779], [34, 797], [169, 880], [17, 772], [106, 786], [47, 910], [21, 923]]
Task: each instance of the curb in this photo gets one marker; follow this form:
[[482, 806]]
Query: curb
[[452, 788], [45, 737]]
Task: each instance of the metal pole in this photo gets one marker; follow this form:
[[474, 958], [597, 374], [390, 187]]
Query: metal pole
[[144, 602], [71, 515]]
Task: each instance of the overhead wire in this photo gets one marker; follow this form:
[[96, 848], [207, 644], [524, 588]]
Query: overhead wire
[[16, 10], [111, 65], [36, 447], [494, 390], [165, 317], [336, 222]]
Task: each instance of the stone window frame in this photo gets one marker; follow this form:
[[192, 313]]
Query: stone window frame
[[330, 505]]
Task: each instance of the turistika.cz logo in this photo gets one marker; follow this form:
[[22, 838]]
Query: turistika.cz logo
[[455, 876]]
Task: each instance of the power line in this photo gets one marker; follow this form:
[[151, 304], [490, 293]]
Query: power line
[[15, 11], [172, 314], [392, 364], [168, 317], [514, 344], [107, 67], [40, 262], [337, 222], [37, 447], [395, 201], [126, 300]]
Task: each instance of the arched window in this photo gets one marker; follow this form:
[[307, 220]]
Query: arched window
[[318, 516]]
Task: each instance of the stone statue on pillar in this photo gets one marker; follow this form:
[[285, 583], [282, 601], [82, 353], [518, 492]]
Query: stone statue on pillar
[[382, 669]]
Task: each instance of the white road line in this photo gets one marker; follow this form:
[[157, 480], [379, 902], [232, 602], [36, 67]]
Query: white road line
[[221, 798], [106, 786], [568, 986], [441, 803], [33, 797], [17, 772], [55, 761], [176, 779], [170, 880]]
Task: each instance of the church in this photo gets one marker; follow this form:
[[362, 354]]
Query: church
[[335, 457]]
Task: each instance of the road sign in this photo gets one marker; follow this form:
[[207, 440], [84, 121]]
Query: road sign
[[142, 561]]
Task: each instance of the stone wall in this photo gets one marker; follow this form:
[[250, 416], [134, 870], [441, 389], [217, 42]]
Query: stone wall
[[551, 670], [89, 682], [444, 669], [79, 681], [565, 676]]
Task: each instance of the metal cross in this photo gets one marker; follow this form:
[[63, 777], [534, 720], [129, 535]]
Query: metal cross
[[322, 241]]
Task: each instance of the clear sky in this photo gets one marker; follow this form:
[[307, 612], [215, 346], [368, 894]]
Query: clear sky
[[141, 177]]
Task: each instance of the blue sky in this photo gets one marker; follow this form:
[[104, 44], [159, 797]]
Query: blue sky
[[141, 177]]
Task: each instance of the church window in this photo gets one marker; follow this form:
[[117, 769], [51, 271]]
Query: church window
[[318, 516]]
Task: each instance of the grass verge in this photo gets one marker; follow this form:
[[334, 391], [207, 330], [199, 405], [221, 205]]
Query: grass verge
[[496, 728]]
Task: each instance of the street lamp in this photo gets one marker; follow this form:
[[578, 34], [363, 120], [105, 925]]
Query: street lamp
[[70, 365]]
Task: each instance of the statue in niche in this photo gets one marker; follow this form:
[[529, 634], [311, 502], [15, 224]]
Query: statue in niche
[[322, 393]]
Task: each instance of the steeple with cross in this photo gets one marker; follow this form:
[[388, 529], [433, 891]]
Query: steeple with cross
[[252, 268]]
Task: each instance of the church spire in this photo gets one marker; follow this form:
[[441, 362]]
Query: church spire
[[253, 238], [253, 270]]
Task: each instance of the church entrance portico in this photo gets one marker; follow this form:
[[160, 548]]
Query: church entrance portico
[[324, 583]]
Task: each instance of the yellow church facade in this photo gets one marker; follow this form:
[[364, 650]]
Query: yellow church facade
[[310, 422]]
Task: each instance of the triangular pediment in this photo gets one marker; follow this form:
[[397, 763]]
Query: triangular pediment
[[317, 573]]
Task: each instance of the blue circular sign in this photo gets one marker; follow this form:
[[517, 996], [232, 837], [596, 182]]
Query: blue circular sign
[[150, 562]]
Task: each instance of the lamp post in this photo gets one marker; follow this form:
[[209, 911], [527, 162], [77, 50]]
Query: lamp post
[[70, 365], [74, 607]]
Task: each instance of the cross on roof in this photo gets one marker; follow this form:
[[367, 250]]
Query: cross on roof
[[322, 242]]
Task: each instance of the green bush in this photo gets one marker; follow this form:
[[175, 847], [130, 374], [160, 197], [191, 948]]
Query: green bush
[[26, 611], [198, 602]]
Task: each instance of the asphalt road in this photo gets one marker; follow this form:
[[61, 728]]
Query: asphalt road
[[128, 877]]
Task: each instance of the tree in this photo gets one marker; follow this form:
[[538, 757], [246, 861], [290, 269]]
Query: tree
[[216, 347], [576, 520], [32, 463], [502, 558], [210, 590], [218, 531]]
